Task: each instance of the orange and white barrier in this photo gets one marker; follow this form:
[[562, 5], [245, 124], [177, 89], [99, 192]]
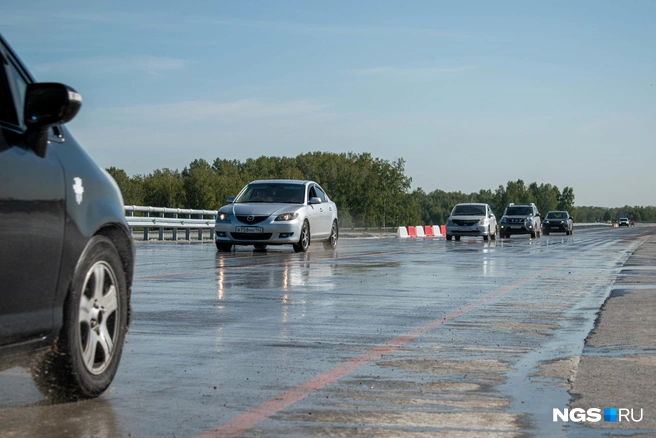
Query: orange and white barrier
[[421, 231]]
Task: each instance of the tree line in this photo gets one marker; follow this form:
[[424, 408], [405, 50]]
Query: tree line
[[368, 191]]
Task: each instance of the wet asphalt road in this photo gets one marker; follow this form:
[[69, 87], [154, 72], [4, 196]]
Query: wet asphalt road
[[383, 337]]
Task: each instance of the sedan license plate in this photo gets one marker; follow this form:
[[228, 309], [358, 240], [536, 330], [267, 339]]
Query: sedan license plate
[[516, 227], [253, 230], [554, 228]]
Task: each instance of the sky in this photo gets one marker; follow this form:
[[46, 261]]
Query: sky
[[470, 94]]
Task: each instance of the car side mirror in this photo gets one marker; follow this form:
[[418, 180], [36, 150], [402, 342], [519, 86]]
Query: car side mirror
[[230, 199], [47, 104], [315, 200]]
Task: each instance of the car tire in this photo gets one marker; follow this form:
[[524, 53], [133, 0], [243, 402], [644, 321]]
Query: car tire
[[457, 238], [486, 237], [449, 237], [546, 233], [82, 363], [533, 235], [225, 247], [494, 235], [331, 243], [304, 240]]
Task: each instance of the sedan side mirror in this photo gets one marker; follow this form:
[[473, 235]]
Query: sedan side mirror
[[47, 104], [315, 200], [230, 199]]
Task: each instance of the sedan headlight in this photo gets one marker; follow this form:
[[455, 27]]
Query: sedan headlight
[[223, 217], [287, 217]]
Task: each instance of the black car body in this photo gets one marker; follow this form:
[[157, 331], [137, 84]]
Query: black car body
[[558, 222], [67, 256]]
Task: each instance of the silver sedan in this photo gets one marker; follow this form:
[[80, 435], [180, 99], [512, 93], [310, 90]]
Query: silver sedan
[[278, 212]]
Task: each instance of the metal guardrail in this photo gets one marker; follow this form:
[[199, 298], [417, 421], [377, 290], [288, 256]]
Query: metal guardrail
[[173, 219]]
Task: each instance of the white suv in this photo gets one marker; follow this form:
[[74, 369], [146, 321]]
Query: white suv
[[471, 220]]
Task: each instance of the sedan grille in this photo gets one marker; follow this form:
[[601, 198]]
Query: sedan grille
[[464, 222], [251, 236], [254, 219], [516, 221]]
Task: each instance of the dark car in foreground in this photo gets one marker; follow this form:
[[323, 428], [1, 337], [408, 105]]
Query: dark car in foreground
[[558, 222], [278, 212], [67, 257]]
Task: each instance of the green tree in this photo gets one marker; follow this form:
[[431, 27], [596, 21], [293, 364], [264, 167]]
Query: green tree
[[131, 188], [164, 188], [200, 182]]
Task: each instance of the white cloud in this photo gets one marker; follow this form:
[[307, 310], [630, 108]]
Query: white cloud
[[410, 73], [109, 65], [209, 111]]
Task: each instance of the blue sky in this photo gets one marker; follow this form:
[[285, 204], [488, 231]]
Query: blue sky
[[470, 94]]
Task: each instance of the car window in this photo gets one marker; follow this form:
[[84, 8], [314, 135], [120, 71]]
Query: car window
[[557, 216], [15, 78], [312, 193], [519, 211], [8, 112], [469, 210], [320, 194]]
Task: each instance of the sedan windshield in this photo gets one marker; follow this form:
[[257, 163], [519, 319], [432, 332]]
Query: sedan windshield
[[468, 210], [273, 193], [556, 215]]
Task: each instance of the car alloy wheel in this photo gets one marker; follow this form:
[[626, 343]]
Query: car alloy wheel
[[98, 318], [304, 239], [83, 360]]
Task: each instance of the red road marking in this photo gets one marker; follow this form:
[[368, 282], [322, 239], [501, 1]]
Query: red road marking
[[246, 420]]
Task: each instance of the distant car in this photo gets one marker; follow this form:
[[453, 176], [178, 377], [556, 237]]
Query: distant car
[[520, 219], [67, 257], [278, 212], [558, 222], [624, 222], [471, 219]]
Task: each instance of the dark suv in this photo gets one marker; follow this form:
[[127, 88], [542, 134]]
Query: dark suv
[[66, 252], [520, 219]]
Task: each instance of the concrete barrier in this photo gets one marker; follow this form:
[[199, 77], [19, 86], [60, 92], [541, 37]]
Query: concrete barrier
[[420, 231]]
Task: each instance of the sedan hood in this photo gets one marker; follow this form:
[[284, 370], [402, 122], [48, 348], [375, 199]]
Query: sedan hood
[[259, 209]]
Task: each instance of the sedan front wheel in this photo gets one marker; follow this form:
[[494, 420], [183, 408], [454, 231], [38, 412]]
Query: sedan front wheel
[[304, 240]]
